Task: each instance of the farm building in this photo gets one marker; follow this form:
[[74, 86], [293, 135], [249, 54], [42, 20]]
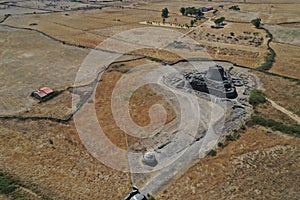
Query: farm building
[[43, 93], [206, 9]]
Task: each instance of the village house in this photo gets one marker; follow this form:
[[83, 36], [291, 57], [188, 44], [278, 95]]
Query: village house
[[43, 93]]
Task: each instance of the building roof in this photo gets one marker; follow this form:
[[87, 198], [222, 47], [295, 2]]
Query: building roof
[[40, 94], [46, 90]]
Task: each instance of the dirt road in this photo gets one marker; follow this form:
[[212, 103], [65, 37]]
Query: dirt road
[[285, 111]]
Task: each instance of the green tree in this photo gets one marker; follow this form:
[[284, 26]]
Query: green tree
[[257, 97], [165, 13], [199, 13], [234, 8], [192, 22], [182, 11], [191, 11], [256, 22], [219, 21]]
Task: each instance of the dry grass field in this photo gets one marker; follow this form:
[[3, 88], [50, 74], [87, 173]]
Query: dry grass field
[[87, 28], [283, 91], [259, 164], [239, 43], [50, 158], [139, 103], [287, 60], [287, 33], [47, 50], [30, 61], [269, 13]]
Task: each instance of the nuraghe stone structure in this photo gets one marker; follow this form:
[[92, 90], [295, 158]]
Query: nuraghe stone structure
[[215, 81]]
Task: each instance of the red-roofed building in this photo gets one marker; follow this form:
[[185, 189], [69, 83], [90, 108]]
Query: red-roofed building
[[42, 93], [46, 90]]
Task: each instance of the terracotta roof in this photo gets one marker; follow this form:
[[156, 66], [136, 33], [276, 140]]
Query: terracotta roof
[[46, 90], [40, 94]]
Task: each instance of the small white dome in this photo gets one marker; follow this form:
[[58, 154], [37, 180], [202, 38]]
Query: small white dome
[[149, 159]]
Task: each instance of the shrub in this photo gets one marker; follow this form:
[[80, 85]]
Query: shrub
[[212, 153], [220, 144], [275, 125], [7, 184], [151, 197], [165, 13], [233, 136], [269, 61], [232, 33], [257, 97], [219, 21], [256, 22], [243, 127], [154, 59], [234, 8]]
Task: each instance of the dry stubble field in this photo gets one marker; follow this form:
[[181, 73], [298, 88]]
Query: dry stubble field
[[51, 157]]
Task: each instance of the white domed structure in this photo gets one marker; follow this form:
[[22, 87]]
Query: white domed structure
[[149, 159]]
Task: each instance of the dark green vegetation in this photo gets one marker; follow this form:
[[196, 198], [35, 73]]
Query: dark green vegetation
[[7, 184], [275, 125], [234, 8], [219, 21], [193, 22], [234, 136], [212, 153], [165, 13], [182, 10], [151, 197], [11, 188], [257, 97], [256, 22], [270, 59], [191, 11]]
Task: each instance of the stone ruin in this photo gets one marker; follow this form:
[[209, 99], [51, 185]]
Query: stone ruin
[[215, 81]]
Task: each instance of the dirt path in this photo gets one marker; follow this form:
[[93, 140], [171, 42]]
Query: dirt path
[[30, 192], [285, 111]]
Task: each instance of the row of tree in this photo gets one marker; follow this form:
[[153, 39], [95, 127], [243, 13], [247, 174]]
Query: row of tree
[[191, 11]]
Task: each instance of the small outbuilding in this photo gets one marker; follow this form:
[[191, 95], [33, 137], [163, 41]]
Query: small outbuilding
[[149, 159], [42, 93], [206, 9]]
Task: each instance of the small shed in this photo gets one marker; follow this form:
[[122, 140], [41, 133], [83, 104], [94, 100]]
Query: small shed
[[206, 9], [42, 93]]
